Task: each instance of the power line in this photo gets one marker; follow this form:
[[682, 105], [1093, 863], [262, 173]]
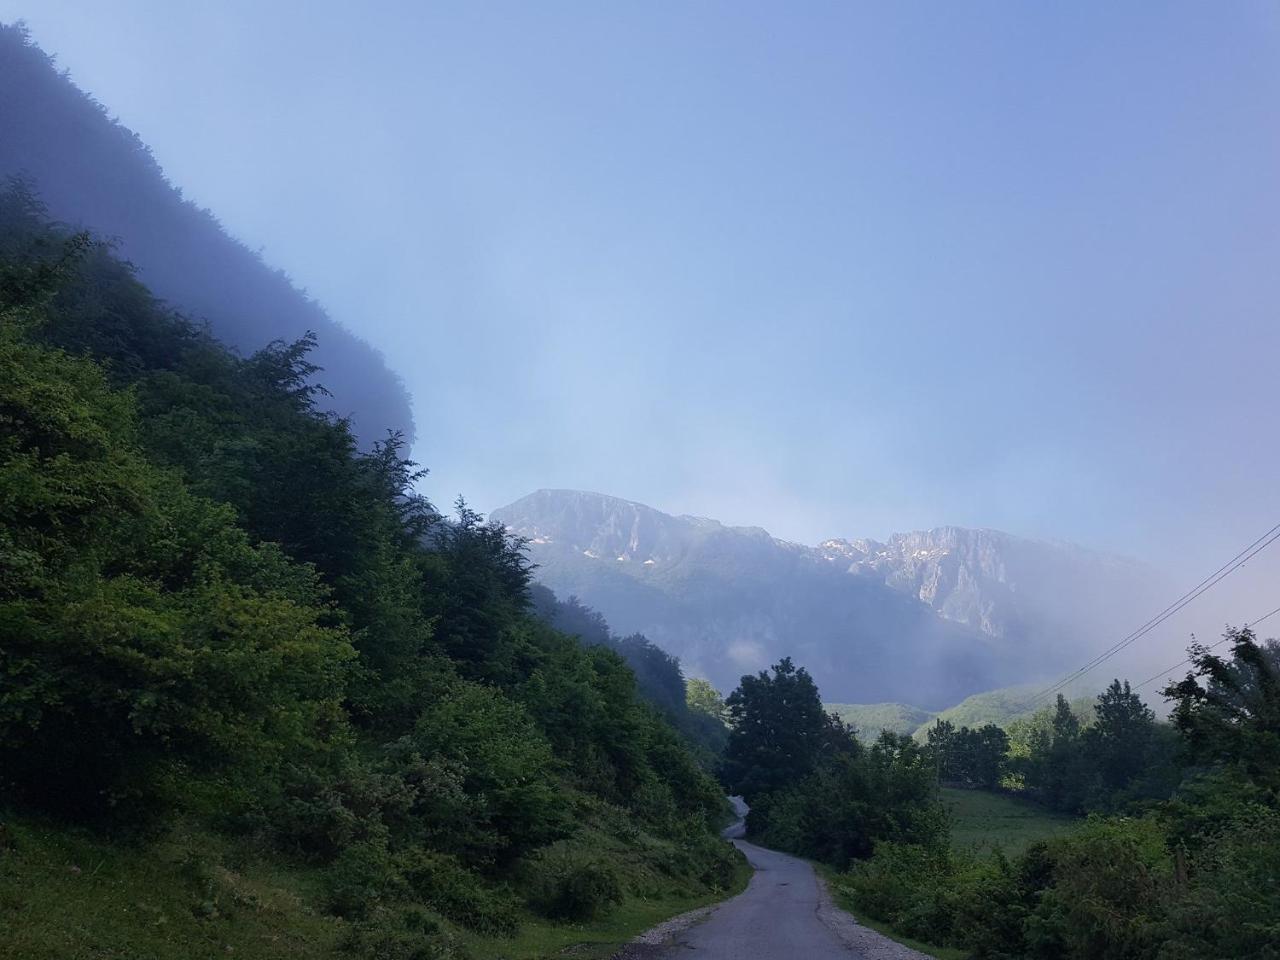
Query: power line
[[1224, 571], [1183, 663], [1232, 565]]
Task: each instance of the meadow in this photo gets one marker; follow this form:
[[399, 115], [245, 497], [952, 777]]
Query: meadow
[[982, 821]]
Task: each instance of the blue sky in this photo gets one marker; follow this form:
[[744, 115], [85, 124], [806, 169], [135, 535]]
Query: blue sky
[[832, 269]]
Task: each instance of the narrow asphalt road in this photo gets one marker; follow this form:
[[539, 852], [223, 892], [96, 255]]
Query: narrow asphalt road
[[784, 914]]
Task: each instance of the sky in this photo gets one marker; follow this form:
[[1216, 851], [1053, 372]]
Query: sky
[[832, 269]]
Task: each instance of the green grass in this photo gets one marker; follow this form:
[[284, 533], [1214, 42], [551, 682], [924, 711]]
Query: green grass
[[66, 895], [539, 939], [985, 821], [70, 895]]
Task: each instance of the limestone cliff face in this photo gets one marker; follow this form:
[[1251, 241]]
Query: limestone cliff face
[[996, 583], [962, 574]]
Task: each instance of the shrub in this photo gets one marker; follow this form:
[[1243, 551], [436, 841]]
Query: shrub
[[510, 799], [902, 885], [361, 877], [571, 885], [443, 884], [1098, 894], [1231, 907], [407, 934], [990, 907], [1106, 899]]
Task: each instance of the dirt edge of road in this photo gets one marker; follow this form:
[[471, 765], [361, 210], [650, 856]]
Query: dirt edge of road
[[654, 941]]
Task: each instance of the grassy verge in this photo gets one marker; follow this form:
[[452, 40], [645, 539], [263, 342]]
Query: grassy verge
[[982, 821], [843, 902], [540, 939], [69, 895], [66, 895]]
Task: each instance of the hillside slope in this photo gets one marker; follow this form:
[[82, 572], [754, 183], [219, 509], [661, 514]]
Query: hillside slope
[[869, 719], [252, 676], [92, 172]]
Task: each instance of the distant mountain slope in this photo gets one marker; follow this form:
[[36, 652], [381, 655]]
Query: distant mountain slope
[[869, 719], [730, 600], [1008, 704], [93, 172], [927, 619]]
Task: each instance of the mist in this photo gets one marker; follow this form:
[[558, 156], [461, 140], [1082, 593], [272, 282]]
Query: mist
[[858, 273], [95, 174]]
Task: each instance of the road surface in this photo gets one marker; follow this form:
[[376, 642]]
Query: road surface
[[784, 914]]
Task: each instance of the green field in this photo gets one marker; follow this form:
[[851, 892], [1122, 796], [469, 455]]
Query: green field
[[984, 821]]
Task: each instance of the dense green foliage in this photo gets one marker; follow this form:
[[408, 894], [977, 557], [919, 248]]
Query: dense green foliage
[[216, 608], [658, 674], [1119, 757], [1191, 877], [975, 758], [813, 788]]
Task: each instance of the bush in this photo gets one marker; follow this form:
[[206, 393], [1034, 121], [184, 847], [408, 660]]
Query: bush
[[408, 934], [361, 877], [570, 885], [1098, 894], [510, 800], [1109, 881], [443, 884], [902, 885], [1232, 906]]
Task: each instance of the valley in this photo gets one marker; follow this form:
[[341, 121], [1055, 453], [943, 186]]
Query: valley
[[271, 684]]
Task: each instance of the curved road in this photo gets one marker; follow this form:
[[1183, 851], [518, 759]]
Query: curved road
[[783, 914]]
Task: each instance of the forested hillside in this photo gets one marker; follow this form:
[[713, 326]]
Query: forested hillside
[[222, 619], [93, 172], [659, 676]]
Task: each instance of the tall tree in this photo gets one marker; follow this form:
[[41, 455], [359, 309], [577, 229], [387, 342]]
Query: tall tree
[[1120, 739], [702, 697], [779, 729], [1229, 710]]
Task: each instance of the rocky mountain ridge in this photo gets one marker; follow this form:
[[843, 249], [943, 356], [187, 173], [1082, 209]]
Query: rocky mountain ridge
[[979, 607]]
